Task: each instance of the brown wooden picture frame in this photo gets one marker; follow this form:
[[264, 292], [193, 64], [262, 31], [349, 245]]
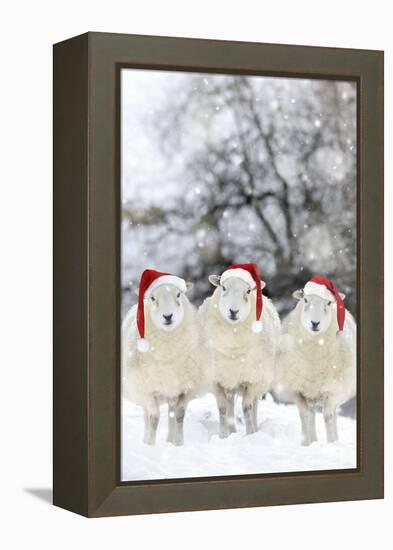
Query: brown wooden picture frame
[[86, 412]]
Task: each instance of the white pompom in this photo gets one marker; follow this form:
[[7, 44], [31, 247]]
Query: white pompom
[[256, 326], [341, 336], [143, 345]]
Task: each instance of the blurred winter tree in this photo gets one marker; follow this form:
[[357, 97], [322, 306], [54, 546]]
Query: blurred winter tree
[[264, 171]]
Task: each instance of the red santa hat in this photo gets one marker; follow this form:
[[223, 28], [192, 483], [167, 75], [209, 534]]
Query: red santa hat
[[326, 289], [150, 280], [250, 274]]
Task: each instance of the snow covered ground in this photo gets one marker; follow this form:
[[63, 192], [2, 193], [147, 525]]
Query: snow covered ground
[[274, 448]]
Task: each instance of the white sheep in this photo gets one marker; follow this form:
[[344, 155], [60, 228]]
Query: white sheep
[[171, 370], [316, 364], [242, 355]]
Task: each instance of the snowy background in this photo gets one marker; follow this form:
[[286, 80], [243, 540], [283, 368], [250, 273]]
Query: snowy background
[[220, 169], [206, 155]]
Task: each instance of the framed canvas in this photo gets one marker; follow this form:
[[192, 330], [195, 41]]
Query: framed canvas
[[218, 274]]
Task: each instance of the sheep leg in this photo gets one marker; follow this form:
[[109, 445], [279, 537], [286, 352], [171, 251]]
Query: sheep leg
[[171, 420], [307, 418], [231, 412], [330, 417], [146, 426], [153, 416], [248, 410], [255, 413], [180, 411], [222, 404], [313, 426]]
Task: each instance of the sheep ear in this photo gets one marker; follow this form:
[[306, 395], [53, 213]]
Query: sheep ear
[[189, 285], [342, 295], [215, 279], [263, 284], [136, 291], [298, 294]]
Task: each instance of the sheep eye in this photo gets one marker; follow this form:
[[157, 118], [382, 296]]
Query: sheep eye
[[178, 295], [305, 301], [223, 288], [329, 303], [249, 291], [152, 299]]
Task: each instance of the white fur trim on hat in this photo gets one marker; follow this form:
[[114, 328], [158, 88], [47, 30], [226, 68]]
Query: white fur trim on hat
[[316, 289], [142, 345], [239, 273], [178, 282]]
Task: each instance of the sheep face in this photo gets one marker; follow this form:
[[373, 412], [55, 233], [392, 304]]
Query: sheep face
[[167, 307], [235, 299], [316, 313]]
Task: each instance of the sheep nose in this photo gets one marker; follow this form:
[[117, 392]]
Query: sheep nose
[[233, 312], [168, 318], [314, 325]]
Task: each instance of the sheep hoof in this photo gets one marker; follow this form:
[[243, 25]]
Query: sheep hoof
[[306, 443]]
